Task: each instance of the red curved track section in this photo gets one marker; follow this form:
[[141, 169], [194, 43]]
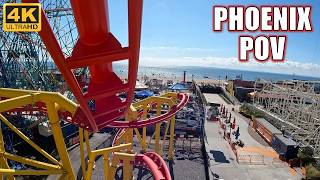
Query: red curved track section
[[155, 164], [183, 97], [96, 49], [151, 160]]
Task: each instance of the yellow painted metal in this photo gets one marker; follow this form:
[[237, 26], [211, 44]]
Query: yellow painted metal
[[127, 137], [171, 139], [127, 168], [157, 132], [90, 166], [64, 103], [86, 136], [11, 93], [44, 96], [144, 131], [164, 139], [113, 167], [138, 135], [169, 99], [62, 177], [59, 140], [3, 160], [29, 141], [30, 172], [105, 152], [109, 150], [56, 102], [172, 124], [106, 165], [120, 138], [127, 165], [31, 162], [92, 154], [82, 155], [12, 103], [131, 115], [145, 105]]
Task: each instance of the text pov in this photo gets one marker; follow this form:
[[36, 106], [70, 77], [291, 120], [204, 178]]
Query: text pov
[[264, 19]]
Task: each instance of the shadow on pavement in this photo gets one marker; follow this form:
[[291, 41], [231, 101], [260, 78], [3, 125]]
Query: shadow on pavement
[[219, 156]]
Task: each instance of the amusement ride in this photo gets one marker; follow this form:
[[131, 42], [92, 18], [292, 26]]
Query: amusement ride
[[103, 99]]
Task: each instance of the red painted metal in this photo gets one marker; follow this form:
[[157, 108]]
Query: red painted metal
[[162, 166], [155, 164], [97, 49], [184, 98]]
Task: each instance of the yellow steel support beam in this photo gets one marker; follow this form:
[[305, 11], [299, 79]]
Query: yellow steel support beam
[[168, 99], [30, 172], [10, 93], [59, 140], [127, 167], [65, 103], [90, 167], [138, 135], [165, 136], [92, 154], [106, 165], [15, 102], [82, 155], [119, 139], [31, 162], [62, 177], [86, 137], [3, 160], [113, 167], [157, 131], [144, 131], [131, 115], [19, 98], [105, 152], [29, 141], [56, 102], [172, 124], [111, 149]]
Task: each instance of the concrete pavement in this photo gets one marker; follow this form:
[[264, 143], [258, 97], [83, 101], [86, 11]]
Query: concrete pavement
[[222, 160]]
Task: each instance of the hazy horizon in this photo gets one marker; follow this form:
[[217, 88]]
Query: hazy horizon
[[180, 33]]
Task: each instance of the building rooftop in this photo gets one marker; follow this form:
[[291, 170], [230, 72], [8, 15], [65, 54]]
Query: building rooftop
[[269, 126]]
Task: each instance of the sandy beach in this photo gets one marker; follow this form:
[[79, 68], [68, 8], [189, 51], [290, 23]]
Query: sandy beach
[[175, 79]]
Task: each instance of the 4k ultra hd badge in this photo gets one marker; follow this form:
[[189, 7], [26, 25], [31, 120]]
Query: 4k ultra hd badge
[[22, 17]]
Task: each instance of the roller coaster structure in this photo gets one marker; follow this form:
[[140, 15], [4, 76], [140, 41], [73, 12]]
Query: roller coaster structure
[[100, 104], [24, 60], [293, 106]]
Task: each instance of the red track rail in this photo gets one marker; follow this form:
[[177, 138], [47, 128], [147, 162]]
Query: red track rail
[[184, 98], [155, 164], [97, 49]]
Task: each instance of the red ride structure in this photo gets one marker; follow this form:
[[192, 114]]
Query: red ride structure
[[100, 105], [97, 49]]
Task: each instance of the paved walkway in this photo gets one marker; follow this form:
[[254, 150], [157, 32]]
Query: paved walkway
[[97, 140], [223, 164]]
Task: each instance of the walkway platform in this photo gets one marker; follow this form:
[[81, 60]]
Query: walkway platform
[[223, 162]]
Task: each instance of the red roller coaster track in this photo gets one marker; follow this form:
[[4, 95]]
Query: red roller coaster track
[[96, 50]]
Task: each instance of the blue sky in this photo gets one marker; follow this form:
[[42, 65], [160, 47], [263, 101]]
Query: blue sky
[[179, 32]]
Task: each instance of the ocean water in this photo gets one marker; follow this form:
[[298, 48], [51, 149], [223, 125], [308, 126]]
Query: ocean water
[[210, 72]]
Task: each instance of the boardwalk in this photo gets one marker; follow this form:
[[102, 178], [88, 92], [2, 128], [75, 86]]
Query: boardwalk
[[223, 164]]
